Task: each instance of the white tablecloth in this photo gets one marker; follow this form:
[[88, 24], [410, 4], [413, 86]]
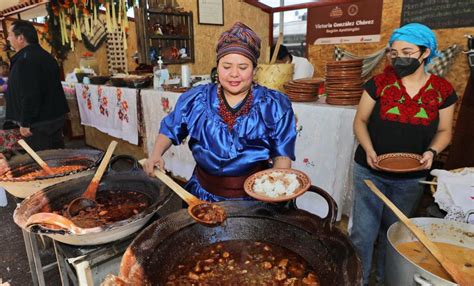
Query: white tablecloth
[[324, 147], [110, 109]]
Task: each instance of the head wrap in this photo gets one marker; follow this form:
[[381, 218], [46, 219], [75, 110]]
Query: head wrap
[[417, 34], [239, 39]]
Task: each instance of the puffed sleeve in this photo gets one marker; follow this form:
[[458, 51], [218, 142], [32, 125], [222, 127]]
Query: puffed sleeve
[[284, 136], [176, 125]]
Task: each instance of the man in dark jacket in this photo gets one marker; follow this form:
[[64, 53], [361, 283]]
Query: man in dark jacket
[[35, 98]]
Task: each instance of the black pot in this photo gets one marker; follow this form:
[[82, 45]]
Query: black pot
[[55, 197], [24, 164], [154, 253]]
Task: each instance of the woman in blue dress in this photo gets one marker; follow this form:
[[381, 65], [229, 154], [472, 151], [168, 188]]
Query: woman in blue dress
[[235, 126]]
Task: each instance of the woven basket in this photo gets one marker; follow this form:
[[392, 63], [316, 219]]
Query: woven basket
[[274, 76], [433, 187]]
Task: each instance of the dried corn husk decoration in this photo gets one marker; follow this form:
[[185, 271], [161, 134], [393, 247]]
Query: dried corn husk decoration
[[114, 19], [95, 13], [125, 17], [72, 40], [107, 18], [124, 36]]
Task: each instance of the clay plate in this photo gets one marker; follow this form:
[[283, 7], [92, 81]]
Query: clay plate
[[305, 183], [399, 162]]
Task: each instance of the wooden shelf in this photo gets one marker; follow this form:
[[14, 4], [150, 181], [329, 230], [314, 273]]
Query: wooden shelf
[[175, 62], [156, 11], [172, 22], [169, 37]]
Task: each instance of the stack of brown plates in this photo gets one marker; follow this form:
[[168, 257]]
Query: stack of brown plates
[[305, 89], [344, 82]]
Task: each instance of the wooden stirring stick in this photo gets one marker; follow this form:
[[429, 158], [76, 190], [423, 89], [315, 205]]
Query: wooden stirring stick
[[35, 157], [277, 48], [428, 183], [444, 261]]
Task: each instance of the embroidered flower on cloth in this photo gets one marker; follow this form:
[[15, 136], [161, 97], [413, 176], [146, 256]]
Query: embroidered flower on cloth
[[122, 105], [86, 94], [397, 105], [103, 102], [165, 104], [308, 163]]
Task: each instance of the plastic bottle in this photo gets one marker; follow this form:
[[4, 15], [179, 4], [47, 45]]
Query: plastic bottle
[[157, 74], [160, 75]]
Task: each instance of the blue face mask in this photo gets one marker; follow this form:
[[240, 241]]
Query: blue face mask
[[405, 66]]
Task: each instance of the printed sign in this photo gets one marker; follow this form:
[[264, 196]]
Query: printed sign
[[355, 22]]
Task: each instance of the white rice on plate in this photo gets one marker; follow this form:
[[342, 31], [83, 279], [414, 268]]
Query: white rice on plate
[[276, 184]]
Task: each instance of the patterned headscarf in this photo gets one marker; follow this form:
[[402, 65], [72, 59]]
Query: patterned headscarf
[[417, 34], [239, 39]]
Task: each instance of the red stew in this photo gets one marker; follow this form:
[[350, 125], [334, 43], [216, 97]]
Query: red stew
[[112, 206], [243, 262], [210, 213]]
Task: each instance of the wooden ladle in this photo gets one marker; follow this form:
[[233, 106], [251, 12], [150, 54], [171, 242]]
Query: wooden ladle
[[444, 261], [54, 220], [87, 200], [195, 205], [35, 157]]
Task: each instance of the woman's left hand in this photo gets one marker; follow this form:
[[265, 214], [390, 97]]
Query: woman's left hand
[[427, 160]]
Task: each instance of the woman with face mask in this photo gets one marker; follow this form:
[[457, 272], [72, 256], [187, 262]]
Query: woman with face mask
[[404, 109], [234, 126]]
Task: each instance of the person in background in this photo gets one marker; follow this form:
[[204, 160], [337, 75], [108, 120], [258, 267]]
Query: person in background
[[4, 68], [234, 126], [302, 67], [35, 99], [404, 109]]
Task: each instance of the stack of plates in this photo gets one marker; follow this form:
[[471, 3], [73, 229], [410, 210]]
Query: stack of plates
[[344, 82], [305, 89]]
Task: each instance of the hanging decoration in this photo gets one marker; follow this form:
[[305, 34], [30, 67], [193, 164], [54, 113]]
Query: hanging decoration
[[369, 61], [71, 20], [439, 65]]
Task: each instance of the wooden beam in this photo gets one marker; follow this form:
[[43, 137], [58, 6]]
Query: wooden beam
[[318, 3], [262, 6], [315, 3], [23, 9]]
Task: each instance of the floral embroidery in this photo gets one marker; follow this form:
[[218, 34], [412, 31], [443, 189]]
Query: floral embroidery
[[86, 94], [308, 163], [228, 116], [103, 102], [165, 104], [396, 105], [122, 105], [299, 130], [9, 139]]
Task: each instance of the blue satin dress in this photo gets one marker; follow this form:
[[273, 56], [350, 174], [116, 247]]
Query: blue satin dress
[[267, 131]]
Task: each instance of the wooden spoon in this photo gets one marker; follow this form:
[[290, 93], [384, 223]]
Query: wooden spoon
[[444, 261], [277, 48], [195, 205], [35, 157], [87, 200]]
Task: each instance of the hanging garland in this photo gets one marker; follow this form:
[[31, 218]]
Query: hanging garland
[[67, 20]]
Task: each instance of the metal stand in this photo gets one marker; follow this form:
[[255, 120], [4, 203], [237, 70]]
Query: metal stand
[[89, 265], [34, 260]]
